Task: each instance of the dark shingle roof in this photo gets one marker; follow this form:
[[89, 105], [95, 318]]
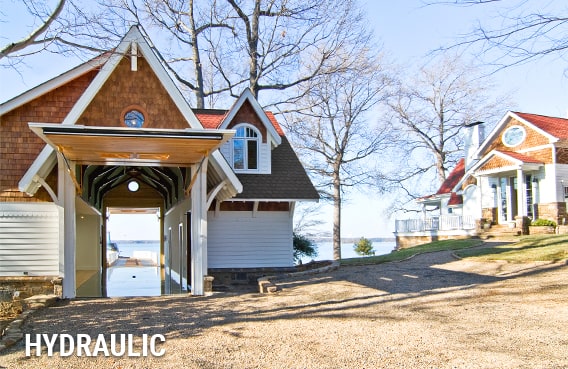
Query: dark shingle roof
[[287, 181]]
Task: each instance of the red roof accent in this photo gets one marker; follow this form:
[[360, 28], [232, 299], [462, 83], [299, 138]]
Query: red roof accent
[[274, 122], [558, 127], [212, 119], [452, 180], [455, 199], [521, 157]]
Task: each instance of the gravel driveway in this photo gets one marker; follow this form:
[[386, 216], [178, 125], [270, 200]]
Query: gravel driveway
[[431, 311]]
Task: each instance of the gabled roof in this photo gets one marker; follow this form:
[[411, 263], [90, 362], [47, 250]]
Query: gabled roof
[[498, 161], [288, 179], [519, 158], [134, 42], [53, 83], [248, 96], [553, 128], [455, 200], [135, 39], [213, 118], [453, 178], [449, 183], [557, 127]]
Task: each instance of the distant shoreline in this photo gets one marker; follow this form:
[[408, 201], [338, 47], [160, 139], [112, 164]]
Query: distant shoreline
[[315, 239], [353, 239]]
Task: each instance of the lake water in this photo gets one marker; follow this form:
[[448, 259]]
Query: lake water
[[127, 249], [325, 249]]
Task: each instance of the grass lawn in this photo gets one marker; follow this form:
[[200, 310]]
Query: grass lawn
[[527, 249], [406, 253]]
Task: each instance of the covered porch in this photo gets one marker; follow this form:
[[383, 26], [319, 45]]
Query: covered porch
[[176, 171]]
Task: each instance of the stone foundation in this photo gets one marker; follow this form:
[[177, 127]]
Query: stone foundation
[[555, 211], [403, 242], [244, 276], [30, 286], [490, 215], [542, 230]]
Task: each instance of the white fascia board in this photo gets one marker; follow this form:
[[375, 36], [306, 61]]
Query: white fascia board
[[248, 96], [221, 164], [493, 134], [483, 161], [528, 123], [150, 53], [133, 35], [52, 84], [42, 165]]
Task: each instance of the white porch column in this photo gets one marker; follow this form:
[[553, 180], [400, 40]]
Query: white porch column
[[521, 192], [67, 236], [199, 228]]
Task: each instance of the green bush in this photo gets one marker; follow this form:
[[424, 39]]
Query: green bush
[[303, 246], [364, 247], [543, 223]]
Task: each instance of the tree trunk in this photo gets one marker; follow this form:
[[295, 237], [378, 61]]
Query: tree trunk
[[336, 218], [199, 90]]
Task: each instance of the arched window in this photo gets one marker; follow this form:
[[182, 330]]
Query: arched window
[[245, 148]]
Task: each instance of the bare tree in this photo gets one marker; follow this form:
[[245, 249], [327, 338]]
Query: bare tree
[[34, 38], [260, 44], [524, 31], [65, 28], [429, 111], [333, 133]]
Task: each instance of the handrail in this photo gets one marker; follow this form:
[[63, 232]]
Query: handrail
[[439, 223]]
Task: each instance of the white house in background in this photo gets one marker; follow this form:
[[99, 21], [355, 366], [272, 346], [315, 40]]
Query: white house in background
[[519, 171], [116, 134]]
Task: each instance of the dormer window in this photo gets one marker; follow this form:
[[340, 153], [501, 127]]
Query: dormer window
[[245, 148]]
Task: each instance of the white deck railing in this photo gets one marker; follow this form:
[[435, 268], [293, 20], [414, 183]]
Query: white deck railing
[[441, 223]]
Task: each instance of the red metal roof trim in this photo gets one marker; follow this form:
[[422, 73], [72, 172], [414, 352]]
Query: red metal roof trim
[[452, 180], [212, 119], [455, 199], [521, 157], [558, 127]]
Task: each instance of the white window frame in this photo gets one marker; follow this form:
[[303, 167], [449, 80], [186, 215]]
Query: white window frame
[[246, 139]]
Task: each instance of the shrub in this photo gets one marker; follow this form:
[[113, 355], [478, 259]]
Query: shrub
[[303, 246], [543, 223], [364, 247]]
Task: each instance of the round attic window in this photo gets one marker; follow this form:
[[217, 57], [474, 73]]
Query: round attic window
[[134, 118], [514, 136]]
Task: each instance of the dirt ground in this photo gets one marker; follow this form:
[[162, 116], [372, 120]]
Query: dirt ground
[[431, 311]]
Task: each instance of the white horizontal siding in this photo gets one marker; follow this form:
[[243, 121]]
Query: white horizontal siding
[[264, 158], [29, 239], [237, 240]]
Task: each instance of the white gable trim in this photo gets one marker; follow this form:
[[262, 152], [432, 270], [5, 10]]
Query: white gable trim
[[542, 132], [248, 96], [504, 121], [52, 84], [46, 160], [134, 35], [515, 164]]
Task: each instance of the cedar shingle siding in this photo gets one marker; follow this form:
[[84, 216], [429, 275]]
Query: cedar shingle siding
[[125, 88], [19, 146]]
